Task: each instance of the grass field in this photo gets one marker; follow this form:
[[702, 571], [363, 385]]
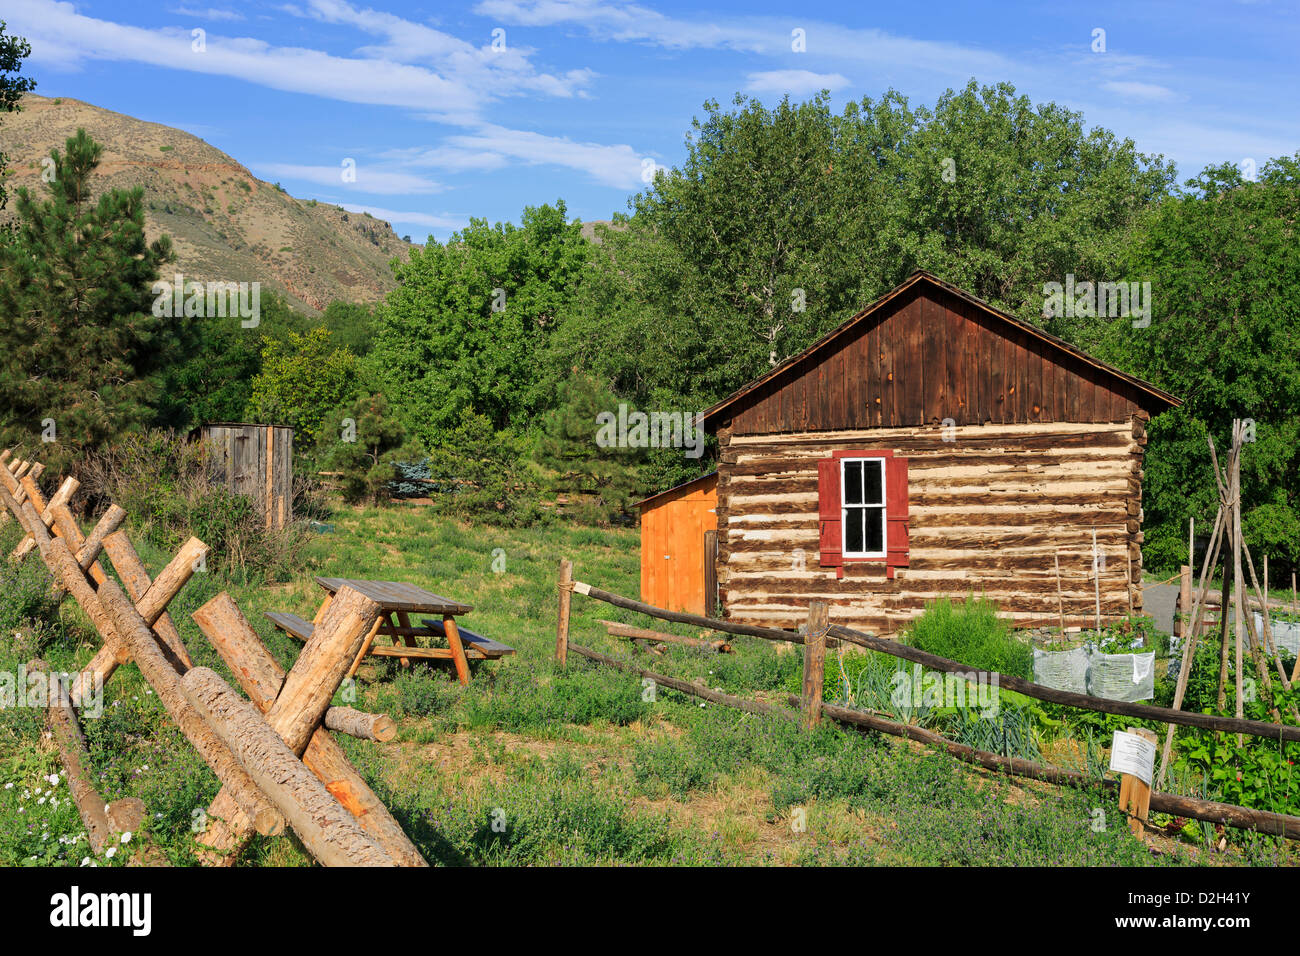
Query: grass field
[[531, 765]]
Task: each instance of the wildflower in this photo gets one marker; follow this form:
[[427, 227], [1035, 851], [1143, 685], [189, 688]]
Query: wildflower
[[9, 786], [110, 852], [126, 837]]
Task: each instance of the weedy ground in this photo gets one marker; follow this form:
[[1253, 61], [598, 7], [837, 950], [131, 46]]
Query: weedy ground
[[534, 765]]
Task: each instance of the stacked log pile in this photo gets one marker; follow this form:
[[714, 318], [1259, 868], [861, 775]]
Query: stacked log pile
[[272, 752]]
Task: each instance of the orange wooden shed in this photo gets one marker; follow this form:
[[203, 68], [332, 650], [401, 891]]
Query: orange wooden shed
[[679, 546]]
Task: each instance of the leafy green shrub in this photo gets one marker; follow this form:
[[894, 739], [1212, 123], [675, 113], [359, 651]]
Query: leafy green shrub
[[971, 632], [476, 473]]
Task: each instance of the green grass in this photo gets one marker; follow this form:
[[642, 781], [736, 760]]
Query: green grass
[[535, 765]]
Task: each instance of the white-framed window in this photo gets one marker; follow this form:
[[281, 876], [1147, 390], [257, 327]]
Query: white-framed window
[[862, 495]]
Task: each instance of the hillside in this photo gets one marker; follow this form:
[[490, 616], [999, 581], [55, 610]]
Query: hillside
[[225, 223]]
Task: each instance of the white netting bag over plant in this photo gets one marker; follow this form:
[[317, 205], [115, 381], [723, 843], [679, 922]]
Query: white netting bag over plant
[[1062, 670], [1128, 677], [1286, 634]]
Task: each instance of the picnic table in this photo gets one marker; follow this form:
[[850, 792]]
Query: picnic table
[[397, 602]]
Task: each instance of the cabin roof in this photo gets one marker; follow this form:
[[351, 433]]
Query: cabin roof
[[1160, 399]]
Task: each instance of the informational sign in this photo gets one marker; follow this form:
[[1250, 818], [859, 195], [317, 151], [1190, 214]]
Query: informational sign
[[1133, 755]]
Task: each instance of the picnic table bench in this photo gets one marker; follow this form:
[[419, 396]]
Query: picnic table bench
[[397, 602]]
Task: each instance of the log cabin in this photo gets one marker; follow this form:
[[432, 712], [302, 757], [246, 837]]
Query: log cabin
[[932, 446]]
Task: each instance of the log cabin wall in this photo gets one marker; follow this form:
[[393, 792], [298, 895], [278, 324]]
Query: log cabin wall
[[989, 510]]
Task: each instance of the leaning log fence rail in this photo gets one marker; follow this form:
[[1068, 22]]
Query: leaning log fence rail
[[809, 709], [271, 751]]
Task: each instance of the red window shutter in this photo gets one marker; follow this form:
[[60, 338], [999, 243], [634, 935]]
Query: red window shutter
[[896, 514], [828, 512]]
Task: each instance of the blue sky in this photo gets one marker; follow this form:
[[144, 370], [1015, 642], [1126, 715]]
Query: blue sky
[[581, 95]]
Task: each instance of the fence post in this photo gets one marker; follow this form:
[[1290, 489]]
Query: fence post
[[1184, 626], [1134, 792], [562, 626], [814, 662]]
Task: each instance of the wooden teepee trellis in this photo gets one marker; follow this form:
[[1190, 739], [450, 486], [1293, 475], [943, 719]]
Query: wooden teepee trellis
[[1227, 534]]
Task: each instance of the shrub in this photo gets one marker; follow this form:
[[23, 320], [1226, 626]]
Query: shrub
[[972, 633], [169, 488]]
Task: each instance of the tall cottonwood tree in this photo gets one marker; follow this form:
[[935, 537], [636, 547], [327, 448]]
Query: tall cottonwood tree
[[783, 221], [467, 326], [79, 346], [1223, 263]]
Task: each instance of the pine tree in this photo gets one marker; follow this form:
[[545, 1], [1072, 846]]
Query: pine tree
[[602, 481], [365, 443], [79, 344]]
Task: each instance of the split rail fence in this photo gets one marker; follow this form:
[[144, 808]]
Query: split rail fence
[[1136, 799], [272, 751]]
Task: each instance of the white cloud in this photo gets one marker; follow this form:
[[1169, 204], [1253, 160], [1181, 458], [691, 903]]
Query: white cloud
[[504, 71], [618, 166], [211, 13], [369, 179], [769, 36], [794, 82], [462, 82], [1138, 91], [446, 158]]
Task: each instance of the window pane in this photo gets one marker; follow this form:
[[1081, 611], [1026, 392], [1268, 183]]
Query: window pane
[[875, 474], [875, 529], [853, 531], [853, 482]]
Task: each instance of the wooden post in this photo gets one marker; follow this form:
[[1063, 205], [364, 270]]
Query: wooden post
[[1238, 590], [1192, 632], [160, 674], [328, 831], [357, 723], [1135, 793], [1182, 626], [457, 649], [814, 662], [76, 762], [365, 645], [108, 523], [562, 625], [270, 474], [28, 484], [1295, 604], [1060, 599], [710, 573], [261, 678], [133, 574], [1096, 578], [303, 699]]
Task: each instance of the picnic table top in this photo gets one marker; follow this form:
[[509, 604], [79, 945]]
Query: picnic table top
[[397, 596]]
